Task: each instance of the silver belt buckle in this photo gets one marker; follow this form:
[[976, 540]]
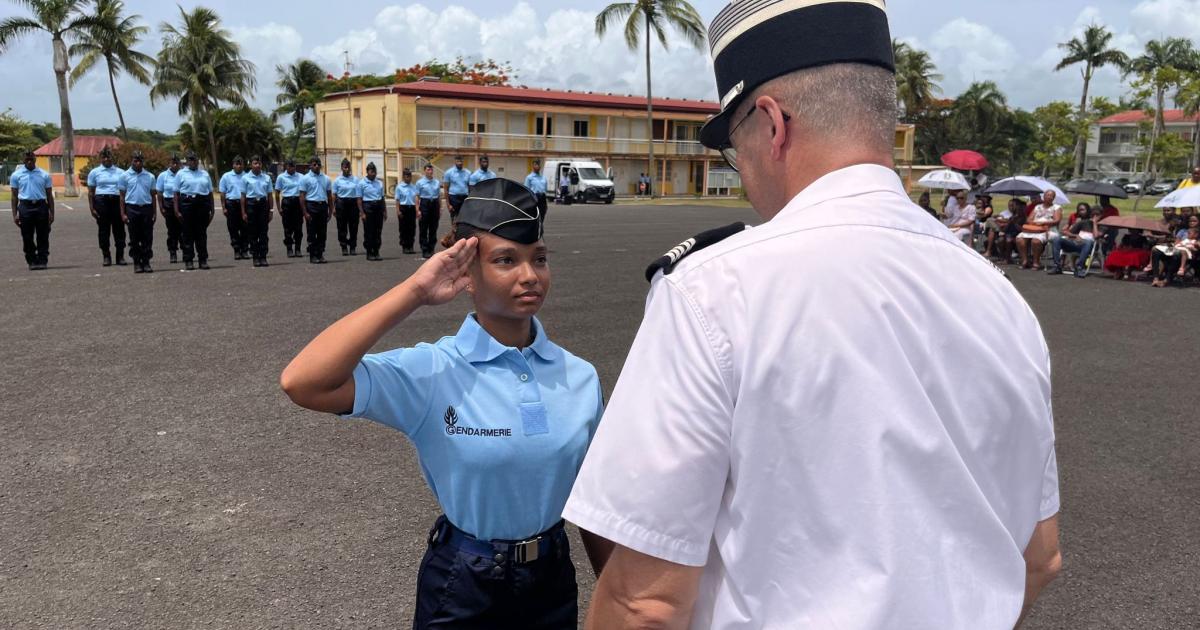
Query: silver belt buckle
[[526, 551]]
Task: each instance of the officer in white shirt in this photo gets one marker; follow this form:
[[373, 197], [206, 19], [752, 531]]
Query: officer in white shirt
[[788, 445]]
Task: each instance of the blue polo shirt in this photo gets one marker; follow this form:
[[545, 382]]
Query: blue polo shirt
[[231, 185], [256, 186], [346, 187], [406, 194], [31, 184], [457, 179], [500, 432], [428, 188], [371, 189], [106, 180], [536, 183], [195, 182], [166, 184], [315, 187], [288, 184], [138, 187], [481, 176]]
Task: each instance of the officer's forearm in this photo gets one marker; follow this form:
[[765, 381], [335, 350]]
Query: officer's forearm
[[321, 377]]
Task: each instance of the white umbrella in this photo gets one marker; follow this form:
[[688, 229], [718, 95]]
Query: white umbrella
[[1027, 185], [1186, 198], [945, 178]]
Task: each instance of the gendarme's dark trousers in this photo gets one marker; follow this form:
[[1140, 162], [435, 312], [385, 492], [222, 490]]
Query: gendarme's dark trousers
[[318, 220], [376, 212], [197, 211], [292, 218], [408, 226], [238, 234], [256, 227], [455, 202], [108, 220], [541, 203], [141, 232], [427, 226], [347, 222], [174, 227], [466, 590], [35, 231]]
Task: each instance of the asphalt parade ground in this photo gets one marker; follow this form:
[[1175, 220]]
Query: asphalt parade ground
[[153, 475]]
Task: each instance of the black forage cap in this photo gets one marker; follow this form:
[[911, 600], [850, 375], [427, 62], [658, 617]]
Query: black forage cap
[[505, 208]]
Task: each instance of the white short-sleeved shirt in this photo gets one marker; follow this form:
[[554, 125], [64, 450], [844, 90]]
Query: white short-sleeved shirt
[[840, 444]]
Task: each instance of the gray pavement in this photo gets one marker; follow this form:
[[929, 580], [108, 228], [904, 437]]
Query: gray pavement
[[153, 475]]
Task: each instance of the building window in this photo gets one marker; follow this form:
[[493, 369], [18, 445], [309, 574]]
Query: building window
[[547, 130], [581, 129], [477, 128]]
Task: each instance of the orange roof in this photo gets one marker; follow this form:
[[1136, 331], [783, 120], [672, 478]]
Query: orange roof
[[85, 146], [1136, 116], [544, 96]]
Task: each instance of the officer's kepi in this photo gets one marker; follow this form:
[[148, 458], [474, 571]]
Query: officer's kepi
[[754, 41], [505, 208]]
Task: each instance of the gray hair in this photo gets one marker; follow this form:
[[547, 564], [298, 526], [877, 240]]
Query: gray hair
[[845, 102]]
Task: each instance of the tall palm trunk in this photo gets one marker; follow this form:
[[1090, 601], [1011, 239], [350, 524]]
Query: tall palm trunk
[[650, 172], [1159, 127], [68, 130], [1196, 142], [112, 85], [299, 129], [1081, 143], [212, 141]]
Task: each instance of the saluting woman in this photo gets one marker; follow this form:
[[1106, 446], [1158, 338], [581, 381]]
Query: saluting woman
[[500, 417]]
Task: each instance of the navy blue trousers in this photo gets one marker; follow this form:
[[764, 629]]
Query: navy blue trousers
[[465, 591]]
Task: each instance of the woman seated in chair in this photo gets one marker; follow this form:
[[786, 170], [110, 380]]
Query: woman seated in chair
[[1031, 242], [1133, 253], [1171, 258]]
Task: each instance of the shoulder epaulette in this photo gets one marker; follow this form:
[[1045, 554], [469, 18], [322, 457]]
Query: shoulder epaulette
[[698, 242]]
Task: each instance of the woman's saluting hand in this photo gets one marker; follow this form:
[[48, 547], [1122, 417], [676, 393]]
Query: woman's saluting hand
[[446, 274]]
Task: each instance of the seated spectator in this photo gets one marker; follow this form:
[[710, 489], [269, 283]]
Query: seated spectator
[[923, 201], [1009, 225], [1106, 237], [1079, 239], [1031, 242], [962, 220], [1170, 258], [985, 226], [1133, 253]]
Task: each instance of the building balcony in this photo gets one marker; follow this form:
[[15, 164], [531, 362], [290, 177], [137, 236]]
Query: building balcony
[[1121, 148], [523, 143]]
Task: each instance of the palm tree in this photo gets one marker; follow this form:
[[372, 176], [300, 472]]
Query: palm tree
[[112, 40], [1094, 52], [63, 20], [297, 93], [1188, 98], [640, 18], [201, 65], [1162, 66], [979, 112], [916, 77]]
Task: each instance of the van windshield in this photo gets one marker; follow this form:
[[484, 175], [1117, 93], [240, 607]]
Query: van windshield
[[591, 173]]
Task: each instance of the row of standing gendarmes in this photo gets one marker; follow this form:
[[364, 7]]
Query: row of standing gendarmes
[[132, 199]]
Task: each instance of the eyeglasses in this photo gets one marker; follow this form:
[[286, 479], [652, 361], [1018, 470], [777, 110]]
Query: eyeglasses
[[727, 150]]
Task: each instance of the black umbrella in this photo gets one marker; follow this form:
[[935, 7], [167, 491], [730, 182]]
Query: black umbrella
[[1099, 189], [1013, 186]]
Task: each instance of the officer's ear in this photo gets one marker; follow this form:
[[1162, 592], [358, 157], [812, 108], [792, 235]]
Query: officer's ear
[[778, 127]]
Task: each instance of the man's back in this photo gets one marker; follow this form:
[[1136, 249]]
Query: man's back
[[861, 437]]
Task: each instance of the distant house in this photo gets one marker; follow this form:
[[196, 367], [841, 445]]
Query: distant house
[[1113, 148], [50, 155]]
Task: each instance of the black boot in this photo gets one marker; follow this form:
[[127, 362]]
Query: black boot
[[312, 259], [189, 265], [107, 259], [137, 267], [204, 264], [345, 250], [353, 250], [174, 258], [146, 268], [121, 258]]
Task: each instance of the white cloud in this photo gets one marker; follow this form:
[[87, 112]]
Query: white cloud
[[967, 51], [267, 46], [1152, 19]]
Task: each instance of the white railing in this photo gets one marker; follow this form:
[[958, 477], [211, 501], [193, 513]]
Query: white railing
[[1119, 149], [558, 144]]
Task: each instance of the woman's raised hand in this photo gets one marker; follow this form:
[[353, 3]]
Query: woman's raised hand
[[445, 275]]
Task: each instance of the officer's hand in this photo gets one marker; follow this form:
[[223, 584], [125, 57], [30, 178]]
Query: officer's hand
[[51, 219], [445, 275], [125, 219], [225, 211], [363, 216], [307, 217], [245, 217], [179, 215], [17, 220], [95, 215]]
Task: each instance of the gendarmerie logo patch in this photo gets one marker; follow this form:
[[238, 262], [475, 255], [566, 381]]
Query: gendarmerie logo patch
[[452, 428]]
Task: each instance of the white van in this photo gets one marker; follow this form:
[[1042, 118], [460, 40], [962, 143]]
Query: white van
[[589, 180]]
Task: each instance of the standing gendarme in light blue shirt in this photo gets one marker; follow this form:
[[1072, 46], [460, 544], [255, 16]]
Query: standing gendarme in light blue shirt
[[500, 432], [456, 180], [231, 185], [481, 175], [106, 180], [371, 189], [428, 188], [288, 185], [138, 187], [346, 187], [191, 182], [166, 184], [406, 194], [256, 186], [31, 185], [315, 187], [536, 183]]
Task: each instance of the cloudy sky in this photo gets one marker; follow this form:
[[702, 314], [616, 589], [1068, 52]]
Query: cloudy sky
[[551, 44]]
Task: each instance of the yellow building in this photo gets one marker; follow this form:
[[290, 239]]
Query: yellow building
[[409, 124], [50, 155]]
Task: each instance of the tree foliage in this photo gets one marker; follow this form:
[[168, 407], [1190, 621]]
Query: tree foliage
[[1057, 128], [154, 159], [16, 137], [916, 78], [110, 40], [241, 132]]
